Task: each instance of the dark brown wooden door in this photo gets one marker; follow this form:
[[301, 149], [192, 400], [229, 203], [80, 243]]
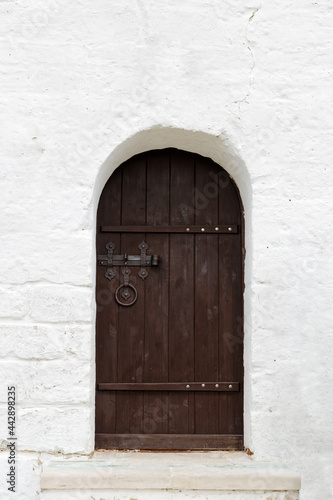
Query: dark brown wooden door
[[170, 366]]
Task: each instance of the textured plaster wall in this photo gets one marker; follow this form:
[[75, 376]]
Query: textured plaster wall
[[87, 84]]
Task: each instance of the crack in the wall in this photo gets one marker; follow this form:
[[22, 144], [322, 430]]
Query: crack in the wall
[[249, 46], [253, 14], [251, 70], [142, 13]]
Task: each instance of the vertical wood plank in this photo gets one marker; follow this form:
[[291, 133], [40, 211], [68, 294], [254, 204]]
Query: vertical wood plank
[[157, 295], [206, 308], [181, 300], [231, 306], [131, 319], [109, 211]]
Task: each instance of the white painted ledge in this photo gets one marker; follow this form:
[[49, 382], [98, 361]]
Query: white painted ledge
[[208, 471]]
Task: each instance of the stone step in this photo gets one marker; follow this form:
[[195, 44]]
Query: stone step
[[154, 476]]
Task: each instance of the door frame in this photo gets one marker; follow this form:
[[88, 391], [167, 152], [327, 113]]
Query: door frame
[[114, 161]]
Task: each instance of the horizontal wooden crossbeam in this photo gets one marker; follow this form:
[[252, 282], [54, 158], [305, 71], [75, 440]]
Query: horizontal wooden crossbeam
[[170, 386], [218, 229], [170, 441]]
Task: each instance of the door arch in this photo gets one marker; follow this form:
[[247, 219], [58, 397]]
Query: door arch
[[170, 366]]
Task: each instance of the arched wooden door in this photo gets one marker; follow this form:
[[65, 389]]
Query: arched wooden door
[[169, 366]]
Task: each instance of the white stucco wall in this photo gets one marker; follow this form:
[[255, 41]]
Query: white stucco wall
[[84, 86]]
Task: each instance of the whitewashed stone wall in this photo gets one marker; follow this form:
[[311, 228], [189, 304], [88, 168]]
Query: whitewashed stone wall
[[86, 85]]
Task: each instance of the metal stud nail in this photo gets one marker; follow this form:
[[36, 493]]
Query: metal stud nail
[[229, 228], [187, 387], [230, 386], [203, 385], [187, 229], [217, 385], [202, 229], [216, 229]]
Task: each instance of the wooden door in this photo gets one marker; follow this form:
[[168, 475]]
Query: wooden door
[[169, 366]]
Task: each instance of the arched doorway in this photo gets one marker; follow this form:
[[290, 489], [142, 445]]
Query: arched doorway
[[169, 343]]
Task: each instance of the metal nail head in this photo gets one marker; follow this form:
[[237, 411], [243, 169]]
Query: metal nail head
[[187, 387]]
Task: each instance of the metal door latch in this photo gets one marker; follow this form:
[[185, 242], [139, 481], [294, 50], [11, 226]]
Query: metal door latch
[[143, 260]]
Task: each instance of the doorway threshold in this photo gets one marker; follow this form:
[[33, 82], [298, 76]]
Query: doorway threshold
[[124, 475]]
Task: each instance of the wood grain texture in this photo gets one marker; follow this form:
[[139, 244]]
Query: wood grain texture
[[189, 228], [171, 386], [170, 442], [186, 326]]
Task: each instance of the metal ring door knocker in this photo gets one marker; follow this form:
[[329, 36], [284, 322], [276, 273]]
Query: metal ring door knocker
[[126, 289], [126, 293]]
